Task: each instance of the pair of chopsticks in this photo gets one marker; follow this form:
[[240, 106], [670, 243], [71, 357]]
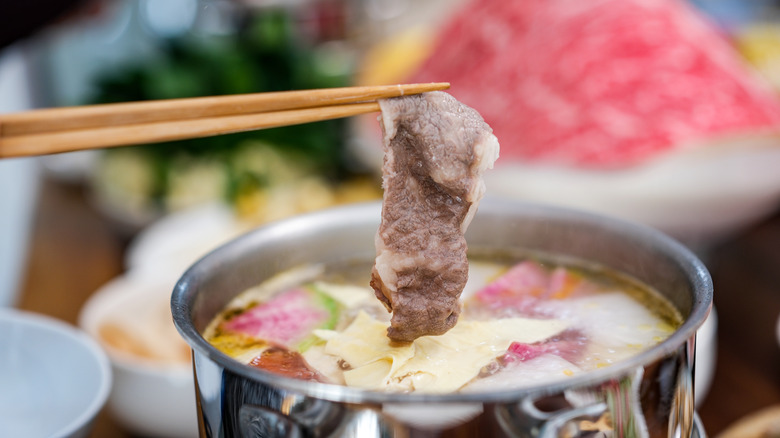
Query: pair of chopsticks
[[55, 130]]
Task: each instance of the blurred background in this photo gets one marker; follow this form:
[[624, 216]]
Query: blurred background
[[663, 112]]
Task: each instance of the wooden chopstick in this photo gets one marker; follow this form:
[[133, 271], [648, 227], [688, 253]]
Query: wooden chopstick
[[55, 130], [122, 135]]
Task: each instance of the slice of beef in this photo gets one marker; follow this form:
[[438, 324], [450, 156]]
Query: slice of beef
[[435, 152]]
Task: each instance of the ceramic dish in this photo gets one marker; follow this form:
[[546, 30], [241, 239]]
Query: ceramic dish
[[152, 393], [178, 239], [54, 378], [700, 197]]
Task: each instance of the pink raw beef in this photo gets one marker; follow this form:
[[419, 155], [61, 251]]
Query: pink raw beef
[[598, 83], [569, 345]]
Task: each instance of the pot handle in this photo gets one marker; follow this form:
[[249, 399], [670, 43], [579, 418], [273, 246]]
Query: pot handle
[[524, 417], [610, 406], [262, 422], [565, 422]]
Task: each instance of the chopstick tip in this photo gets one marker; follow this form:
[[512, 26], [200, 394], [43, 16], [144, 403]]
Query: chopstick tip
[[404, 89]]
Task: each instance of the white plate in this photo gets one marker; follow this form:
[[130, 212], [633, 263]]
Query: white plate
[[699, 196]]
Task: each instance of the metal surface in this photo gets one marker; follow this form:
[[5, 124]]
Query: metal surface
[[648, 395]]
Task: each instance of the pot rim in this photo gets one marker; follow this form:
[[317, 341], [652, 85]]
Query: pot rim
[[356, 214]]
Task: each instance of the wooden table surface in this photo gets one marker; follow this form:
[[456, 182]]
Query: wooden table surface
[[74, 250]]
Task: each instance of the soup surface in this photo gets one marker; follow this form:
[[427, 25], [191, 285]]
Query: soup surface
[[524, 322]]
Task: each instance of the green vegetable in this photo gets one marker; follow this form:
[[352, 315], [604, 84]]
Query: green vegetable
[[266, 54]]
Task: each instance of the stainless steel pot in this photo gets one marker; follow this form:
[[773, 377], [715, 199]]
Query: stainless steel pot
[[649, 395]]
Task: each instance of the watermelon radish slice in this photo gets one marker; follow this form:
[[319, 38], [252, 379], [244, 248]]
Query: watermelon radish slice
[[527, 283], [288, 318], [598, 84]]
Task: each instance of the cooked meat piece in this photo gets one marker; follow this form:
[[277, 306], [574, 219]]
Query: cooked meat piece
[[435, 152]]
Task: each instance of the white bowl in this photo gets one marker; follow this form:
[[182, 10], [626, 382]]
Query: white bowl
[[54, 379], [151, 396], [179, 239], [706, 357]]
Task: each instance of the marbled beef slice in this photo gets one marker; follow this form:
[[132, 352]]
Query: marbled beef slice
[[435, 152]]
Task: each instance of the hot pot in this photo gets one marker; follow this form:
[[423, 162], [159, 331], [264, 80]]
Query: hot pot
[[649, 395]]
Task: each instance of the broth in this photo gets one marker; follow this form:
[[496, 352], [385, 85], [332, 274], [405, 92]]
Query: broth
[[525, 321]]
